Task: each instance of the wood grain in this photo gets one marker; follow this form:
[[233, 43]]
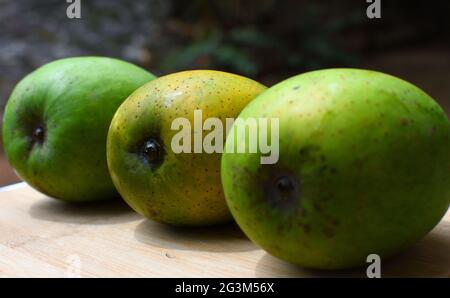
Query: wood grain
[[42, 237]]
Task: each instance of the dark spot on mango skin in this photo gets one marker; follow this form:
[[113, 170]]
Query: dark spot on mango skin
[[152, 151], [405, 122], [153, 213], [285, 186], [308, 152], [38, 135], [282, 189], [284, 228]]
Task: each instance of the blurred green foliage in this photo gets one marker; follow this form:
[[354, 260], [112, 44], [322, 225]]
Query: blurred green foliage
[[256, 37], [268, 40]]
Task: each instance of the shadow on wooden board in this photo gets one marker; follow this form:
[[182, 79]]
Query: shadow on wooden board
[[430, 257], [223, 238], [97, 213]]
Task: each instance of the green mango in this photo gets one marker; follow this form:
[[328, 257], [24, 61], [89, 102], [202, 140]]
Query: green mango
[[178, 188], [56, 122], [364, 160]]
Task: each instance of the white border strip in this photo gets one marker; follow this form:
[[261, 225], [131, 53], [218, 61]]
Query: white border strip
[[12, 186]]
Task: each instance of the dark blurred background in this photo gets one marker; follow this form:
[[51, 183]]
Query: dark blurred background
[[267, 40]]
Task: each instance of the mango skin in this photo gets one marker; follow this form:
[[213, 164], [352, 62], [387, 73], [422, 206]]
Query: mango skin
[[369, 156], [184, 189], [74, 100]]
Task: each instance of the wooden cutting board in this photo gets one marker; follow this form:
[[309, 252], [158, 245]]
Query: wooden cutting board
[[42, 237]]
